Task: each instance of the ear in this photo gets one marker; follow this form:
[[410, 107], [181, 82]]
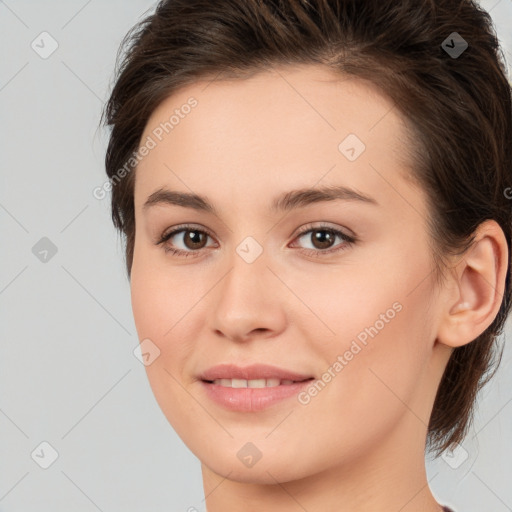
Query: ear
[[477, 287]]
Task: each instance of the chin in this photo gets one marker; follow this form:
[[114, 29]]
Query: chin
[[269, 469], [258, 474]]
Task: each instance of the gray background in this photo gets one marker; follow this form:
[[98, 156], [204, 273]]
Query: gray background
[[68, 374]]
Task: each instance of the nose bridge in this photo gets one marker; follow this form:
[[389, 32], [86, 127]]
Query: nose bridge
[[248, 271], [246, 298]]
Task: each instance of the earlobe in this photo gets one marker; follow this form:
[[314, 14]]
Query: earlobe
[[479, 282]]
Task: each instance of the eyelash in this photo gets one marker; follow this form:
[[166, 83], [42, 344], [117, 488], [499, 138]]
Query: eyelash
[[347, 239]]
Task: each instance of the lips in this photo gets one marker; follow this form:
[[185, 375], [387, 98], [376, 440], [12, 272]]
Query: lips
[[252, 373], [251, 388]]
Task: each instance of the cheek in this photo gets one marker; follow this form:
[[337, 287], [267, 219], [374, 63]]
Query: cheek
[[162, 297], [375, 338], [388, 377], [156, 309], [166, 305]]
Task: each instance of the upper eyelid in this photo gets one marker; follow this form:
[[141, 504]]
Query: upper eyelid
[[309, 226], [185, 227]]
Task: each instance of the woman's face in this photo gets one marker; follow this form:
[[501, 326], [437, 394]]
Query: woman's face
[[260, 279]]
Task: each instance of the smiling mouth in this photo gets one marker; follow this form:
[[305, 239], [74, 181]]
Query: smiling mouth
[[254, 383]]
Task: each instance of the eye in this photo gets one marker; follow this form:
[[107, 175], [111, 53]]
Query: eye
[[191, 238], [322, 238]]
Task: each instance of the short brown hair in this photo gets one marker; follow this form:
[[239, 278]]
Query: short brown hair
[[458, 109]]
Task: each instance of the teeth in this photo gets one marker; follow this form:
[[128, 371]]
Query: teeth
[[253, 383], [238, 383], [256, 383]]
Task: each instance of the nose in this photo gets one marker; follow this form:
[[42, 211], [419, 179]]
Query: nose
[[249, 301]]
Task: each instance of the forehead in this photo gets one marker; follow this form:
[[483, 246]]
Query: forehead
[[287, 126]]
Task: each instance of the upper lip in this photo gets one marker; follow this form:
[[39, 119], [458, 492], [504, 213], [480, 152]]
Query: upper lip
[[254, 371]]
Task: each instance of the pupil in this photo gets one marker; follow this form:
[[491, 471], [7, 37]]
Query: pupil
[[194, 237], [324, 241]]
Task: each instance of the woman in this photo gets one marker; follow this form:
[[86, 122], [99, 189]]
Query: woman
[[313, 195]]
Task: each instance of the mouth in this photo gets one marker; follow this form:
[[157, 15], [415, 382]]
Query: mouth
[[253, 376], [255, 383], [251, 388]]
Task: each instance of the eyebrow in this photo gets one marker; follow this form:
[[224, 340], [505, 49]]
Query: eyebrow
[[285, 202]]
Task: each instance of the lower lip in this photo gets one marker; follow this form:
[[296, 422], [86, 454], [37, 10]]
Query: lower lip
[[251, 399]]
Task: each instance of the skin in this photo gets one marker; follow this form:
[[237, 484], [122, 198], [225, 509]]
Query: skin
[[359, 444]]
